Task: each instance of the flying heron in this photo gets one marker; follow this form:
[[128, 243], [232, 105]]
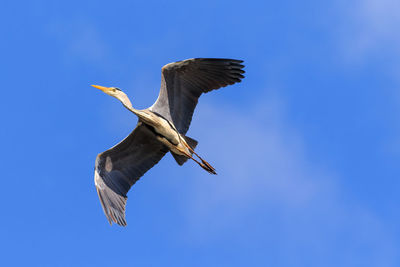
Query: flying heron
[[160, 128]]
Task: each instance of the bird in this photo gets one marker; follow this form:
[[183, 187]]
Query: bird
[[160, 129]]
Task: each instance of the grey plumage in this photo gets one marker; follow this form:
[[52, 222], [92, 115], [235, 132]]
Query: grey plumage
[[183, 82], [161, 128], [130, 159]]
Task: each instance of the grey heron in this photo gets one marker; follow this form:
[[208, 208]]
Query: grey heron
[[161, 128]]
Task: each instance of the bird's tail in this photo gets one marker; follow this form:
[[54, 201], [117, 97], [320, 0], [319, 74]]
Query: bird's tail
[[180, 159]]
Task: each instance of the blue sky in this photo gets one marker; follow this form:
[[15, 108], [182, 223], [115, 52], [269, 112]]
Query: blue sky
[[306, 147]]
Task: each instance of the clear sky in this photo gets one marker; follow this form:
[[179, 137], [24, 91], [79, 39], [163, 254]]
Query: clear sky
[[307, 147]]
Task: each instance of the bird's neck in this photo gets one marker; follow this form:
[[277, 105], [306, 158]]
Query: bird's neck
[[133, 110], [127, 103]]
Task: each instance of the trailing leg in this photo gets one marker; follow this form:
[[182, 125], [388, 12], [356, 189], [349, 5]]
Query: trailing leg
[[204, 164]]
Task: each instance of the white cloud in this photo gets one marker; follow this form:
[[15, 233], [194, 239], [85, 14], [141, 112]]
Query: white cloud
[[265, 174], [370, 36], [381, 17], [370, 28]]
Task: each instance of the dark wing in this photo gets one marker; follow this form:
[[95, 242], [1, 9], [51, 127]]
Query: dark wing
[[118, 168], [183, 82]]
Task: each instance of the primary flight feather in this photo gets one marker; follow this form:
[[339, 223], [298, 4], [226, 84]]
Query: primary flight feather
[[161, 128]]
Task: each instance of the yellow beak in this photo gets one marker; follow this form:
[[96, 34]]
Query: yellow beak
[[102, 88]]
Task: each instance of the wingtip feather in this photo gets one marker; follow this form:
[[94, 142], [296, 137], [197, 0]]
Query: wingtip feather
[[113, 214]]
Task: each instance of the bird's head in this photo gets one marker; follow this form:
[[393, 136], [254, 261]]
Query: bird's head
[[117, 93], [112, 91]]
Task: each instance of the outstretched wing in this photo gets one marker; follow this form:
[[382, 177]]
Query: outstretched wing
[[118, 168], [183, 82]]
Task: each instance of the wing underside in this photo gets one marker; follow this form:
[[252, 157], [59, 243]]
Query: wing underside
[[118, 168], [183, 82]]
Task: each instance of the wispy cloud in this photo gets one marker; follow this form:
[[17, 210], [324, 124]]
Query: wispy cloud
[[370, 27], [369, 39], [265, 175]]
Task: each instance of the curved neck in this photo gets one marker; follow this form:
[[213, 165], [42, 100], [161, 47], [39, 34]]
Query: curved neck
[[127, 103], [133, 110]]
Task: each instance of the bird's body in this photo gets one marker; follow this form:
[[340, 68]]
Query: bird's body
[[161, 128], [164, 132]]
